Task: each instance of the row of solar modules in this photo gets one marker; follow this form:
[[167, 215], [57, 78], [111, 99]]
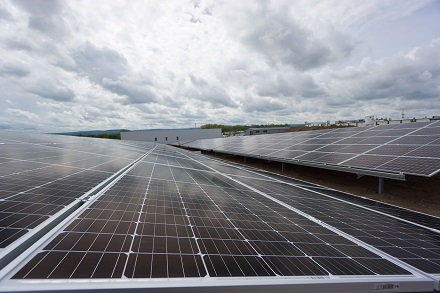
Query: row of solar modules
[[46, 173], [182, 217], [411, 148]]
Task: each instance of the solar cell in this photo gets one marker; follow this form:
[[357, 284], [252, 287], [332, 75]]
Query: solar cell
[[287, 154], [411, 165], [369, 133], [368, 161], [262, 152], [335, 158], [332, 148], [305, 147], [378, 140], [429, 151], [311, 156], [357, 149], [419, 218], [417, 124], [396, 132], [415, 139], [428, 131], [397, 150]]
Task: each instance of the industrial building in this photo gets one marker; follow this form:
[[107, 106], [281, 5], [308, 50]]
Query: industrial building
[[266, 130], [170, 136]]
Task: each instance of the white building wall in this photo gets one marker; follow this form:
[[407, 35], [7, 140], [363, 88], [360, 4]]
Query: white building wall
[[266, 130], [385, 122], [168, 136]]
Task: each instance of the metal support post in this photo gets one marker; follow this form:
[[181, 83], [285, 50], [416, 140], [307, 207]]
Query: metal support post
[[244, 158], [381, 185], [283, 166]]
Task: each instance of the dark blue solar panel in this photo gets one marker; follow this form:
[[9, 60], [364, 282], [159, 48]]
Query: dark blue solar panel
[[177, 214]]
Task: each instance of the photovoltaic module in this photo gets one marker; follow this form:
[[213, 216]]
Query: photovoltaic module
[[91, 214]]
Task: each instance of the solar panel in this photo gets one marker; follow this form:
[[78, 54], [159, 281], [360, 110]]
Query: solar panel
[[179, 220], [400, 239], [205, 206], [40, 178], [383, 149]]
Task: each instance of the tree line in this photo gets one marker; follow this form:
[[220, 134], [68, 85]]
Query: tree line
[[102, 135]]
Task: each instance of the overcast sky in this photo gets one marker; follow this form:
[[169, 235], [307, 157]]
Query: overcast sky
[[83, 65]]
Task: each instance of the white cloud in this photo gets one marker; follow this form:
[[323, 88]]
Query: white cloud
[[20, 114], [100, 64]]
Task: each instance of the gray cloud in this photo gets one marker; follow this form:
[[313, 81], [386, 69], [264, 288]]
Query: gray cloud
[[99, 63], [262, 104], [48, 89], [135, 93], [4, 14], [11, 69], [20, 44], [46, 16], [281, 39], [197, 81], [211, 94], [414, 76], [7, 126], [18, 113], [55, 28], [127, 66], [290, 86], [40, 7], [217, 97], [110, 69]]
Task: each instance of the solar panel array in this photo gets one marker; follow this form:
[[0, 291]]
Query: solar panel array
[[41, 176], [410, 148], [166, 214]]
